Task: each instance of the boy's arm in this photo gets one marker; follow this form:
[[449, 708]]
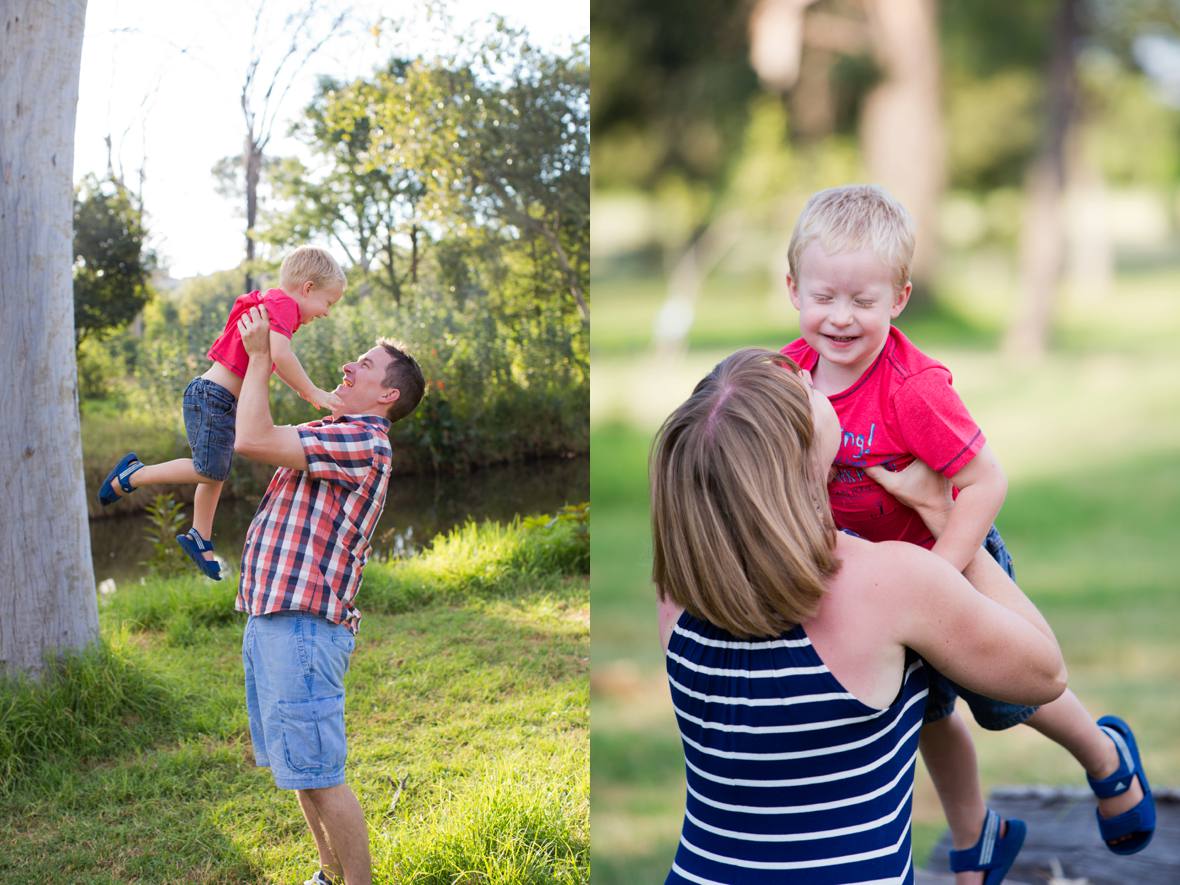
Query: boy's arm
[[290, 370], [982, 486], [257, 437], [959, 525]]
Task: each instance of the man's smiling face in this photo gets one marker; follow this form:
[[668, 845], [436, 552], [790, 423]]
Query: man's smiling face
[[363, 389]]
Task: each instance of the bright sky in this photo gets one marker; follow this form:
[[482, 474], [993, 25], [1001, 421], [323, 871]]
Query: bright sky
[[164, 81]]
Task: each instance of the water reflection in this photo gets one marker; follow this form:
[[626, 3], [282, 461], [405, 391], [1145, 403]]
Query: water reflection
[[417, 509]]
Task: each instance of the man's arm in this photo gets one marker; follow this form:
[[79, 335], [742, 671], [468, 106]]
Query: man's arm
[[257, 436]]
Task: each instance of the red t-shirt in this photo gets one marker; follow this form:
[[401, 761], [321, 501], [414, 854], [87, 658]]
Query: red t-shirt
[[903, 407], [283, 312]]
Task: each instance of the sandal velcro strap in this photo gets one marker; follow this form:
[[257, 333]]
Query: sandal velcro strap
[[1120, 780], [994, 853], [1132, 830], [195, 546], [121, 474]]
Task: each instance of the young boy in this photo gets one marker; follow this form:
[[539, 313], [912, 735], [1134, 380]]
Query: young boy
[[310, 282], [849, 261]]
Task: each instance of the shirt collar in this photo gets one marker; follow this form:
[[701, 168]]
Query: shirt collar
[[377, 422]]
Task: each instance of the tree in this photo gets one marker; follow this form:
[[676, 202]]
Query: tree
[[263, 91], [369, 194], [112, 268], [1042, 239], [527, 159], [47, 597]]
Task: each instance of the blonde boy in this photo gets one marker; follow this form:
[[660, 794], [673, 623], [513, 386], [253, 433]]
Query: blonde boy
[[849, 260], [310, 283]]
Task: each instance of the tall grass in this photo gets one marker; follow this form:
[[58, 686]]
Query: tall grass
[[113, 698], [89, 705]]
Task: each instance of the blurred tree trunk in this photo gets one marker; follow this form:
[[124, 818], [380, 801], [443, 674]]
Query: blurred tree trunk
[[901, 119], [47, 596], [1042, 241]]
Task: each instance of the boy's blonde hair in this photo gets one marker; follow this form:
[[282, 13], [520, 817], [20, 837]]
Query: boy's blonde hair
[[856, 216], [310, 263], [742, 534]]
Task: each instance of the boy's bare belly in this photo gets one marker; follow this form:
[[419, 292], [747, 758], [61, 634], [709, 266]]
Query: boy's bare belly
[[219, 374]]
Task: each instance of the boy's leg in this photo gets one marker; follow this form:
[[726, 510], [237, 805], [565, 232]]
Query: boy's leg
[[343, 822], [949, 755], [204, 507], [1066, 722], [178, 472], [328, 859]]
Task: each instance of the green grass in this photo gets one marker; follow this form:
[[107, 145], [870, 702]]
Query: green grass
[[133, 763], [1088, 438]]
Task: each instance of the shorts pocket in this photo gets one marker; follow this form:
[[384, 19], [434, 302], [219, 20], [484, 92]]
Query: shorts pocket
[[313, 734]]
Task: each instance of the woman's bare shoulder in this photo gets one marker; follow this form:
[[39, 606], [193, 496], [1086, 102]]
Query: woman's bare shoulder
[[883, 571]]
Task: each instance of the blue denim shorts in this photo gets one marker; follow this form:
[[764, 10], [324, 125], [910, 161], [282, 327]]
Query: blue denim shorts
[[295, 664], [989, 713], [210, 412]]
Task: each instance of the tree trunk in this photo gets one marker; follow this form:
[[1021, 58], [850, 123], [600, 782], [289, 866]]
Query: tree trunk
[[1042, 239], [253, 158], [901, 119], [47, 596]]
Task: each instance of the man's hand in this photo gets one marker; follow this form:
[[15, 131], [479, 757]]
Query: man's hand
[[254, 327]]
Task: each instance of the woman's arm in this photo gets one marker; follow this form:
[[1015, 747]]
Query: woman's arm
[[984, 635], [670, 613], [989, 633]]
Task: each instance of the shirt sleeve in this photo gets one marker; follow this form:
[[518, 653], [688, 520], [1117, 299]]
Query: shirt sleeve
[[935, 424], [338, 453], [283, 313]]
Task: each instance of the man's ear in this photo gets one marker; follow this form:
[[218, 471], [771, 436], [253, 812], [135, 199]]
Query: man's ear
[[390, 397]]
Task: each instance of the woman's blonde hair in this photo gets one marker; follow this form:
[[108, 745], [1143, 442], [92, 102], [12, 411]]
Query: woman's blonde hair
[[856, 216], [310, 263], [741, 529]]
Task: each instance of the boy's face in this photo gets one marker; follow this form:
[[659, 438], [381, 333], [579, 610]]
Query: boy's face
[[846, 303], [315, 301]]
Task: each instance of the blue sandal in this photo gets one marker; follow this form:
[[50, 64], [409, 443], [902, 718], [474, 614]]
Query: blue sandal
[[194, 545], [122, 474], [1130, 831], [993, 853]]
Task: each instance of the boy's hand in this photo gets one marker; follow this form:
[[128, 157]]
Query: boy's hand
[[254, 327], [916, 486], [323, 399]]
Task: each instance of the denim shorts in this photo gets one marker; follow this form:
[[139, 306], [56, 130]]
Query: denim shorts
[[989, 713], [210, 412], [295, 664]]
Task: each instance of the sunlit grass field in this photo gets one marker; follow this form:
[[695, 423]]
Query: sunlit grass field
[[1089, 437], [468, 685]]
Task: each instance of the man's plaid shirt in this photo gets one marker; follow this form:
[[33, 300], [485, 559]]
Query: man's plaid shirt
[[309, 540]]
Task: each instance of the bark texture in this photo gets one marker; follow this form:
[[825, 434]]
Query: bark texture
[[47, 595]]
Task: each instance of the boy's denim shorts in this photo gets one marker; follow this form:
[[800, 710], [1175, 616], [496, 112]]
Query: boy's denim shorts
[[989, 713], [210, 413], [295, 664]]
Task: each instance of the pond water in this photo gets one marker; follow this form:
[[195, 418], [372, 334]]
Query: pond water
[[417, 508]]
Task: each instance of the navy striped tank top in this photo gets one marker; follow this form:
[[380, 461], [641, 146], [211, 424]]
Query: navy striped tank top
[[790, 778]]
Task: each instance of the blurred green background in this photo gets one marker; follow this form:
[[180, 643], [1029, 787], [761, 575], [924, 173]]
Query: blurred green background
[[1036, 145]]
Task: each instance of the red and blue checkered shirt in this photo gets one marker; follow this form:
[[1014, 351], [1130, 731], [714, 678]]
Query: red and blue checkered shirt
[[310, 537]]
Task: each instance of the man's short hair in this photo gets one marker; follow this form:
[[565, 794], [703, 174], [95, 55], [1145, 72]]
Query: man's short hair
[[853, 217], [404, 374], [310, 263]]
